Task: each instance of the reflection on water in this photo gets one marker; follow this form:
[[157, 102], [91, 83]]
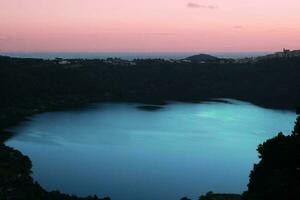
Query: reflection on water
[[134, 152]]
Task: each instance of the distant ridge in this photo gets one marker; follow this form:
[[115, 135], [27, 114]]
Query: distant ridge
[[202, 58], [286, 53]]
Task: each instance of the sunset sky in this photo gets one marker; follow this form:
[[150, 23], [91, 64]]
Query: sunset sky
[[149, 25]]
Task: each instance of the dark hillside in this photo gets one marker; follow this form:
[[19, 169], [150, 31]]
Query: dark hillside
[[29, 86]]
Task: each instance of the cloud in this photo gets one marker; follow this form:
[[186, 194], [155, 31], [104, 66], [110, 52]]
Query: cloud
[[4, 38], [196, 5], [238, 27]]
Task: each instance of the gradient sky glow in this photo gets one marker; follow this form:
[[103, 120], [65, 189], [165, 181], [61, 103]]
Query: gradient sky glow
[[149, 25]]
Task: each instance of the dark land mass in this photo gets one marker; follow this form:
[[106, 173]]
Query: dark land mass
[[219, 101], [150, 107], [212, 196], [202, 57], [31, 86]]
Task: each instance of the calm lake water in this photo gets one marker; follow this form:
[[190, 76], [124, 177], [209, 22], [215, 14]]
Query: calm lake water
[[128, 153]]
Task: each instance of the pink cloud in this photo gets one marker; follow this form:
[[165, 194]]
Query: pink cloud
[[196, 5]]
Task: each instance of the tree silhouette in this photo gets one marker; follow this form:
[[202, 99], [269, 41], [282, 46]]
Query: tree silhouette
[[277, 175], [296, 131], [185, 198]]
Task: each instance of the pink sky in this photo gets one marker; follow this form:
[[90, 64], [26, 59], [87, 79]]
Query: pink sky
[[149, 25]]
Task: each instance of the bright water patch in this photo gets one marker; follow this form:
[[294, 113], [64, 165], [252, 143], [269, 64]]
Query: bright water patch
[[129, 153]]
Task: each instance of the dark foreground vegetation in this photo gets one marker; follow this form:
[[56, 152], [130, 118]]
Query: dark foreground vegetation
[[277, 175], [212, 196], [16, 182], [30, 86]]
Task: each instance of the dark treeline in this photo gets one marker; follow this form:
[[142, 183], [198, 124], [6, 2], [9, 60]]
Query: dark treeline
[[29, 86]]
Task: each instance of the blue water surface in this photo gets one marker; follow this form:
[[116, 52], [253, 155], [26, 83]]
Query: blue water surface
[[129, 153]]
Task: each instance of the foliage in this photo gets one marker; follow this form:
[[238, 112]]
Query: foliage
[[16, 182], [185, 198], [277, 175], [212, 196]]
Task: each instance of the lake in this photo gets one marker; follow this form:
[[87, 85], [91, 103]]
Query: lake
[[132, 152]]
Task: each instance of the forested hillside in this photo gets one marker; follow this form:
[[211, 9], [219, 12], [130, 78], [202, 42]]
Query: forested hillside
[[29, 86]]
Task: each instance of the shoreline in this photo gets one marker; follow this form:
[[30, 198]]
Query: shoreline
[[27, 113], [19, 154]]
